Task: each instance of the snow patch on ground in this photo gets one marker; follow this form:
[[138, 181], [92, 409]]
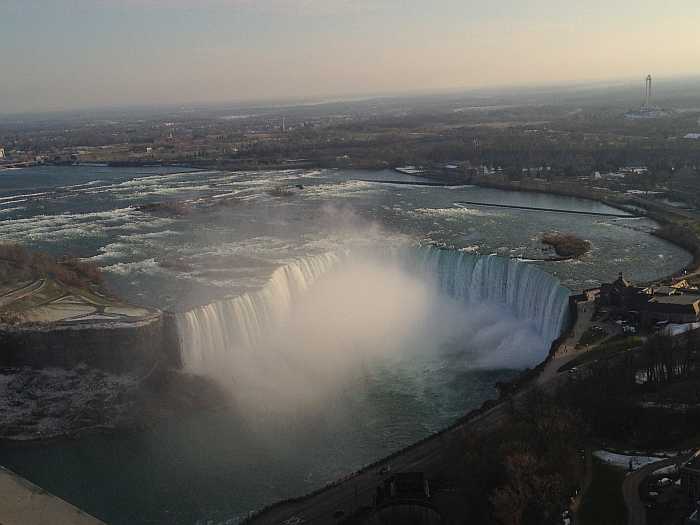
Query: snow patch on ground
[[623, 461], [671, 469]]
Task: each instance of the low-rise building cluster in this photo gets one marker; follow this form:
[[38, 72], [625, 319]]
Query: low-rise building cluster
[[678, 303]]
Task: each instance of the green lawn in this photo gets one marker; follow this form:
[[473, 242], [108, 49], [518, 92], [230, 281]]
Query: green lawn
[[591, 336], [603, 503]]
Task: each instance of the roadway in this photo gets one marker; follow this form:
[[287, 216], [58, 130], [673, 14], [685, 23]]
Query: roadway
[[636, 511], [17, 294]]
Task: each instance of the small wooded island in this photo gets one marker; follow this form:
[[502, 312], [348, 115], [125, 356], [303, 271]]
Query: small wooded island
[[566, 244]]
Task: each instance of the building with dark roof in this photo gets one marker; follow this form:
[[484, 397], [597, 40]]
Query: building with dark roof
[[673, 308], [404, 499], [652, 304], [618, 293], [690, 477]]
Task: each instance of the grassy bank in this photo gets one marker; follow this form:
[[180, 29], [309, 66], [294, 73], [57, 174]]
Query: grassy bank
[[607, 350], [603, 503]]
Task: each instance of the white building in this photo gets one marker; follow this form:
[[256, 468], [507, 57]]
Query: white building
[[2, 152]]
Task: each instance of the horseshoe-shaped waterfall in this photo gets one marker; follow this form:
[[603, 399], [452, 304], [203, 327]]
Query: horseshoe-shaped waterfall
[[216, 335]]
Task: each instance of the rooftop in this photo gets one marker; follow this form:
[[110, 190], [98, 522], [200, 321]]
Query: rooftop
[[694, 462], [663, 290], [676, 299]]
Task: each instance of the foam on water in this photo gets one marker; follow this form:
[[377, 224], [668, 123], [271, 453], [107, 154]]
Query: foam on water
[[149, 266], [453, 213]]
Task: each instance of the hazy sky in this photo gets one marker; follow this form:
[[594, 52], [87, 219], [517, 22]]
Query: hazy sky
[[62, 54]]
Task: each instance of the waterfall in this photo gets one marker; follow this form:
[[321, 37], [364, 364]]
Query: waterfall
[[228, 329], [209, 333], [530, 293]]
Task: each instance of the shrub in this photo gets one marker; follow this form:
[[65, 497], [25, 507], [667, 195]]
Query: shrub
[[566, 244], [18, 264]]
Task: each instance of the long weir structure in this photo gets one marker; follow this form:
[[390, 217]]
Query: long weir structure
[[498, 205], [556, 210]]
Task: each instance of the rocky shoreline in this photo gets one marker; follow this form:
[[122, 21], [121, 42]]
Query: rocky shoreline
[[55, 403]]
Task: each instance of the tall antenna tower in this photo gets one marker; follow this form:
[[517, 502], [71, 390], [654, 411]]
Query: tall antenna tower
[[647, 96]]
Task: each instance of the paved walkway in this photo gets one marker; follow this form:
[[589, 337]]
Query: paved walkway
[[50, 301], [585, 485], [16, 294], [23, 503], [567, 351]]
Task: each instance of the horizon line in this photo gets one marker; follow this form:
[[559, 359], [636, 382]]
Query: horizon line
[[326, 99]]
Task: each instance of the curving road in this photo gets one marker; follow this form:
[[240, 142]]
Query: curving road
[[636, 512], [23, 291]]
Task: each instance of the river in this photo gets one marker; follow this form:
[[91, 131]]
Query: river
[[321, 302]]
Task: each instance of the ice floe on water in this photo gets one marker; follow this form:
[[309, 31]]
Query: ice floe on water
[[11, 210], [263, 247], [73, 394], [348, 189], [149, 266], [114, 251], [55, 228], [457, 213], [22, 196], [83, 185], [136, 237]]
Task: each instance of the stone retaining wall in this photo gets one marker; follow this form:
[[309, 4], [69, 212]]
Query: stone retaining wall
[[116, 347]]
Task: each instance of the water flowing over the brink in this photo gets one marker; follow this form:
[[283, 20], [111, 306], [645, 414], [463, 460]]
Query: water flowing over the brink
[[530, 293], [213, 333]]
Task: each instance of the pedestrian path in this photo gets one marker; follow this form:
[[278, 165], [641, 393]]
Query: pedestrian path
[[23, 503]]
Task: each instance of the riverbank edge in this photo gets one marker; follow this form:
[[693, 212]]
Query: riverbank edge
[[526, 379]]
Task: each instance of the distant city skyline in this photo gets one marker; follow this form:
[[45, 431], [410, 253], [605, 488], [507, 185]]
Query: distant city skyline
[[72, 54]]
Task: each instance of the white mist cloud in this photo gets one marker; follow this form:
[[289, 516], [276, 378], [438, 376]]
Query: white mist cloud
[[298, 342]]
